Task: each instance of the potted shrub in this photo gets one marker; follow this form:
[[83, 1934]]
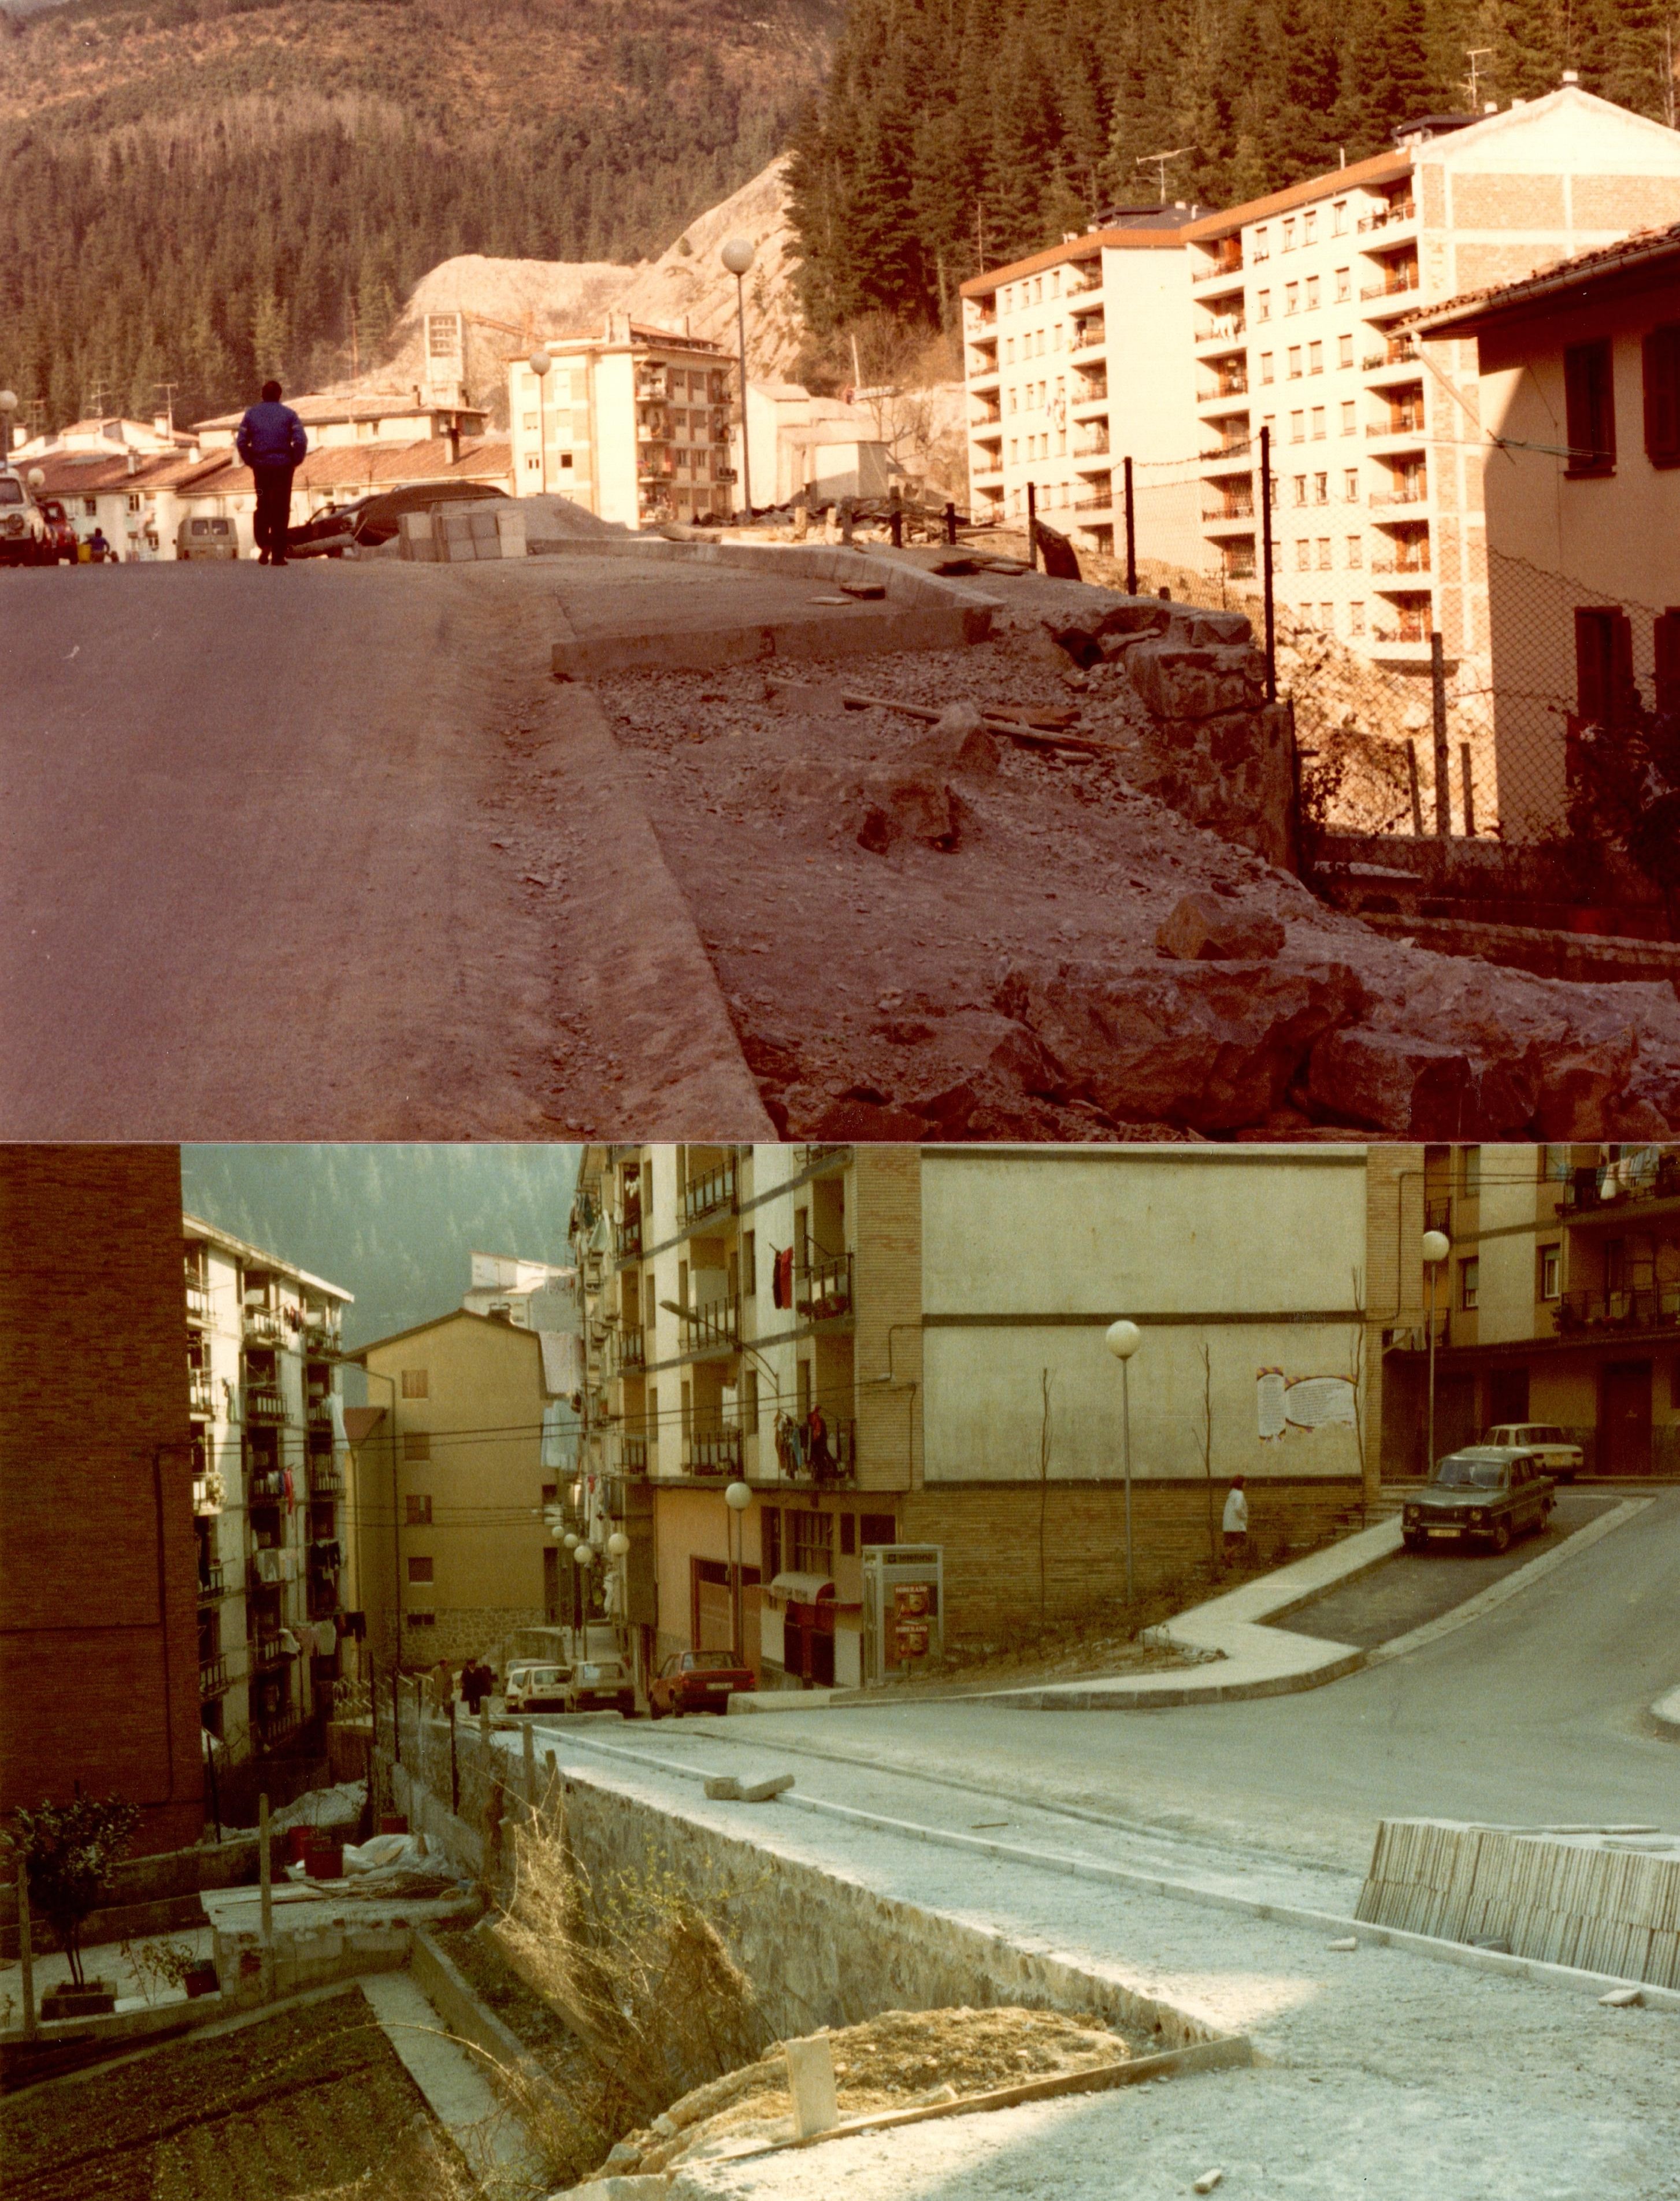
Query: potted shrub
[[68, 1850]]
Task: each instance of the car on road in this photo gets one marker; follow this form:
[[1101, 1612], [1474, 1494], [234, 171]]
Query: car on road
[[1561, 1459], [207, 538], [61, 530], [538, 1688], [347, 529], [601, 1685], [25, 539], [1485, 1494], [697, 1681]]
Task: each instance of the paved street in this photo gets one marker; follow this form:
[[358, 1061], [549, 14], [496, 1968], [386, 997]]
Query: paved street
[[1537, 1711], [312, 854]]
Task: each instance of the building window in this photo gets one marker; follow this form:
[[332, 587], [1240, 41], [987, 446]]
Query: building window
[[1356, 619], [419, 1620], [1260, 249], [420, 1570], [1603, 664], [1324, 554], [1265, 366], [1470, 1279], [90, 507], [1315, 359], [1590, 402], [1551, 1272], [531, 421], [1470, 1172], [1295, 362], [1262, 305], [1344, 289], [1338, 217], [1289, 235], [417, 1513], [1321, 488], [1291, 299], [413, 1383], [750, 1403], [1298, 427], [1344, 351], [416, 1444], [848, 1535], [1350, 418], [1309, 228], [1318, 424], [878, 1529], [770, 1542], [1350, 488], [1300, 488], [533, 463], [812, 1541], [1355, 552], [1661, 364], [1311, 294], [1303, 556]]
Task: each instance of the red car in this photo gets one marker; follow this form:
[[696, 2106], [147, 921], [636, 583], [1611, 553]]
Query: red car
[[697, 1681], [60, 534]]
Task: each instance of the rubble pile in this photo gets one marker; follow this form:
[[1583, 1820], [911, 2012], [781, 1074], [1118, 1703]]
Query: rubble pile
[[985, 922]]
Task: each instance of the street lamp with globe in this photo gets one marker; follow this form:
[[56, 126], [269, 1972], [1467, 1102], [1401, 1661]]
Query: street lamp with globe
[[540, 364], [8, 405], [737, 256], [1436, 1247], [737, 1497], [1123, 1339]]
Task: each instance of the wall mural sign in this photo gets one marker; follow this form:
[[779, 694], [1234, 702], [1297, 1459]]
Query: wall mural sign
[[1302, 1402]]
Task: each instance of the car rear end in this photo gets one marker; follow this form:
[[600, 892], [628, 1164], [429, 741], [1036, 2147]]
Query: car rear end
[[601, 1686], [709, 1689]]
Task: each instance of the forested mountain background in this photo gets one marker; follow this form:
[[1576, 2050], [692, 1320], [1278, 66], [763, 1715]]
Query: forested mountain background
[[204, 192], [954, 134]]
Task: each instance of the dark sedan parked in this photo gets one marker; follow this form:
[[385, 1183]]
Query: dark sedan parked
[[698, 1682], [1484, 1493], [373, 519]]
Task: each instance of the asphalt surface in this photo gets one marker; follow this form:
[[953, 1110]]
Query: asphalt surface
[[1414, 1587], [310, 854], [1537, 1712]]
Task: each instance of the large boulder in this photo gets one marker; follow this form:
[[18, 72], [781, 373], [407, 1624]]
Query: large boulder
[[1213, 1047], [1176, 681], [1207, 928], [1387, 1081]]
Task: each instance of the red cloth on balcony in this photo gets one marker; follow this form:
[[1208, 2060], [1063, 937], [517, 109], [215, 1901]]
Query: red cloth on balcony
[[781, 1281]]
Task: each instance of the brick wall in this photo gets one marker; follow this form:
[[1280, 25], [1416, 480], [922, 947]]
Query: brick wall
[[98, 1649], [989, 1534]]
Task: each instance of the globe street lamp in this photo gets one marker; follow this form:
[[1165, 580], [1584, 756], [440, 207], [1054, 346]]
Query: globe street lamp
[[737, 1497], [9, 403], [1436, 1248], [1123, 1340], [737, 255], [540, 363]]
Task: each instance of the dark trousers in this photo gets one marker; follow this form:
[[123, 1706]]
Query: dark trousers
[[273, 507]]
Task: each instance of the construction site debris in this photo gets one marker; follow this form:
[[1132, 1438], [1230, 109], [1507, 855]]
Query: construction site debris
[[1206, 928]]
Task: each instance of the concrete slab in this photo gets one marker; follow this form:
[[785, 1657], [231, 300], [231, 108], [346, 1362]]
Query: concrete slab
[[452, 2080]]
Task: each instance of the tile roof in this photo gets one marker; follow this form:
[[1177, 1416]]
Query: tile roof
[[1086, 246], [364, 405], [389, 465], [1380, 168], [1644, 248]]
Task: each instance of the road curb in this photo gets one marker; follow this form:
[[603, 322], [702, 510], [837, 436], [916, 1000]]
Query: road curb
[[1120, 1698], [1500, 1592]]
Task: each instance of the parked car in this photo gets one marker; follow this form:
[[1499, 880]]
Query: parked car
[[697, 1681], [60, 531], [211, 537], [24, 536], [1484, 1493], [538, 1688], [599, 1685], [346, 528], [1560, 1458]]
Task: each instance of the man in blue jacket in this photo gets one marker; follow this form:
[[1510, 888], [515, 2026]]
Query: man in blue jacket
[[272, 443]]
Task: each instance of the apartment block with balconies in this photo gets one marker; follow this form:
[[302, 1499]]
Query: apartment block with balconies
[[1302, 302], [1558, 1301], [273, 1529], [1073, 360], [635, 425]]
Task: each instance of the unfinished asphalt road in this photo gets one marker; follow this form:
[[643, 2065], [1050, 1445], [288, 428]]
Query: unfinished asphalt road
[[263, 848], [1535, 1713]]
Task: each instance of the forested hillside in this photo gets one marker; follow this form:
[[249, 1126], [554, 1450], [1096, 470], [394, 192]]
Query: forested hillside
[[205, 191], [957, 133]]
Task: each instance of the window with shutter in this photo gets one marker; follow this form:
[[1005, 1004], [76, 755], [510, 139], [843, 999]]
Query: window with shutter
[[1590, 407], [1667, 667], [1662, 396], [1603, 664]]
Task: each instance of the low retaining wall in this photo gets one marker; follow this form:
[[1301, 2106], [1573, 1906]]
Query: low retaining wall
[[1588, 1899], [153, 1894]]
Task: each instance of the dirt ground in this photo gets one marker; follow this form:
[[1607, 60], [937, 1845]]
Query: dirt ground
[[315, 2099], [892, 2062]]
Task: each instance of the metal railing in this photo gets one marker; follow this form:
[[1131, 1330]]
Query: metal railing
[[264, 1402], [719, 1454], [822, 1290], [201, 1391], [1403, 352], [197, 1299], [1416, 493], [627, 1238], [1584, 1194], [1223, 328], [1407, 634], [1400, 210], [1653, 1306], [717, 1325], [266, 1482], [1406, 423], [264, 1322], [213, 1678], [1220, 513], [633, 1455], [710, 1192], [270, 1651], [1226, 263], [212, 1582], [793, 1462], [632, 1351], [1395, 289], [1400, 565], [325, 1481]]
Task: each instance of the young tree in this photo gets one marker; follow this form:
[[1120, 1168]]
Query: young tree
[[68, 1850]]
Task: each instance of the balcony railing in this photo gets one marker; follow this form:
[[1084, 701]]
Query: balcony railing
[[1403, 424], [1399, 284], [1403, 493], [213, 1678], [197, 1298], [1242, 448], [633, 1455], [627, 1237], [1399, 634], [274, 1730], [1222, 513], [1096, 391], [1223, 263], [1400, 565], [271, 1652], [266, 1483], [1399, 210], [201, 1391], [318, 1410], [711, 1194], [326, 1481], [1223, 328], [632, 1352], [795, 1461], [985, 473], [1088, 332], [1655, 1306], [1241, 573], [1233, 385], [319, 1334], [264, 1402], [1586, 1194], [713, 1327], [713, 1455], [1096, 446], [212, 1582], [1403, 352], [265, 1322], [822, 1290]]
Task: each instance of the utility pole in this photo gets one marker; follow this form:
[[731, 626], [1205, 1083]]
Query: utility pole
[[1473, 54], [168, 389]]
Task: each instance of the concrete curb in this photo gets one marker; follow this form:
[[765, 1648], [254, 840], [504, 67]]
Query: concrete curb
[[1119, 1698], [1509, 1585], [1331, 1923]]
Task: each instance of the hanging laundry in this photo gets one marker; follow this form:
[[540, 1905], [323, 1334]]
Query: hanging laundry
[[290, 1644], [781, 1279], [291, 1495]]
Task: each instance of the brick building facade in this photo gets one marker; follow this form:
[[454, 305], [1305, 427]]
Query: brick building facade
[[98, 1641]]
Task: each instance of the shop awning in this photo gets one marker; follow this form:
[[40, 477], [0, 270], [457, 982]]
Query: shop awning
[[806, 1589]]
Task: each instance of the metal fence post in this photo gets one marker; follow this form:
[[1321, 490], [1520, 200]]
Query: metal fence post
[[265, 1864], [1032, 526], [395, 1718], [1444, 780], [950, 523], [1417, 794], [1265, 563], [1469, 792], [25, 1951], [454, 1766], [1131, 532]]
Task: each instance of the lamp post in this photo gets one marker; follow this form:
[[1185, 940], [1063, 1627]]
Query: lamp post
[[585, 1556], [540, 363], [1123, 1340], [1436, 1248], [737, 1497], [737, 255], [9, 402]]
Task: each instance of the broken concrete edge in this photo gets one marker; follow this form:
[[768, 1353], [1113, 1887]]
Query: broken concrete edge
[[1667, 1709], [1581, 957], [1511, 1585], [1119, 1697], [1232, 2052], [818, 561], [789, 640]]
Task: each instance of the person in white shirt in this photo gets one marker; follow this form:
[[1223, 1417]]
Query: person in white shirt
[[1236, 1523]]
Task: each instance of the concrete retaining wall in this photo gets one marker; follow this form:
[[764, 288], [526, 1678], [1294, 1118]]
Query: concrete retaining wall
[[1580, 1899]]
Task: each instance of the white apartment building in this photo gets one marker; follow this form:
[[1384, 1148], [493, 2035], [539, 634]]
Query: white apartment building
[[1376, 457], [333, 418], [275, 1532], [633, 425], [1076, 358], [529, 1294]]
